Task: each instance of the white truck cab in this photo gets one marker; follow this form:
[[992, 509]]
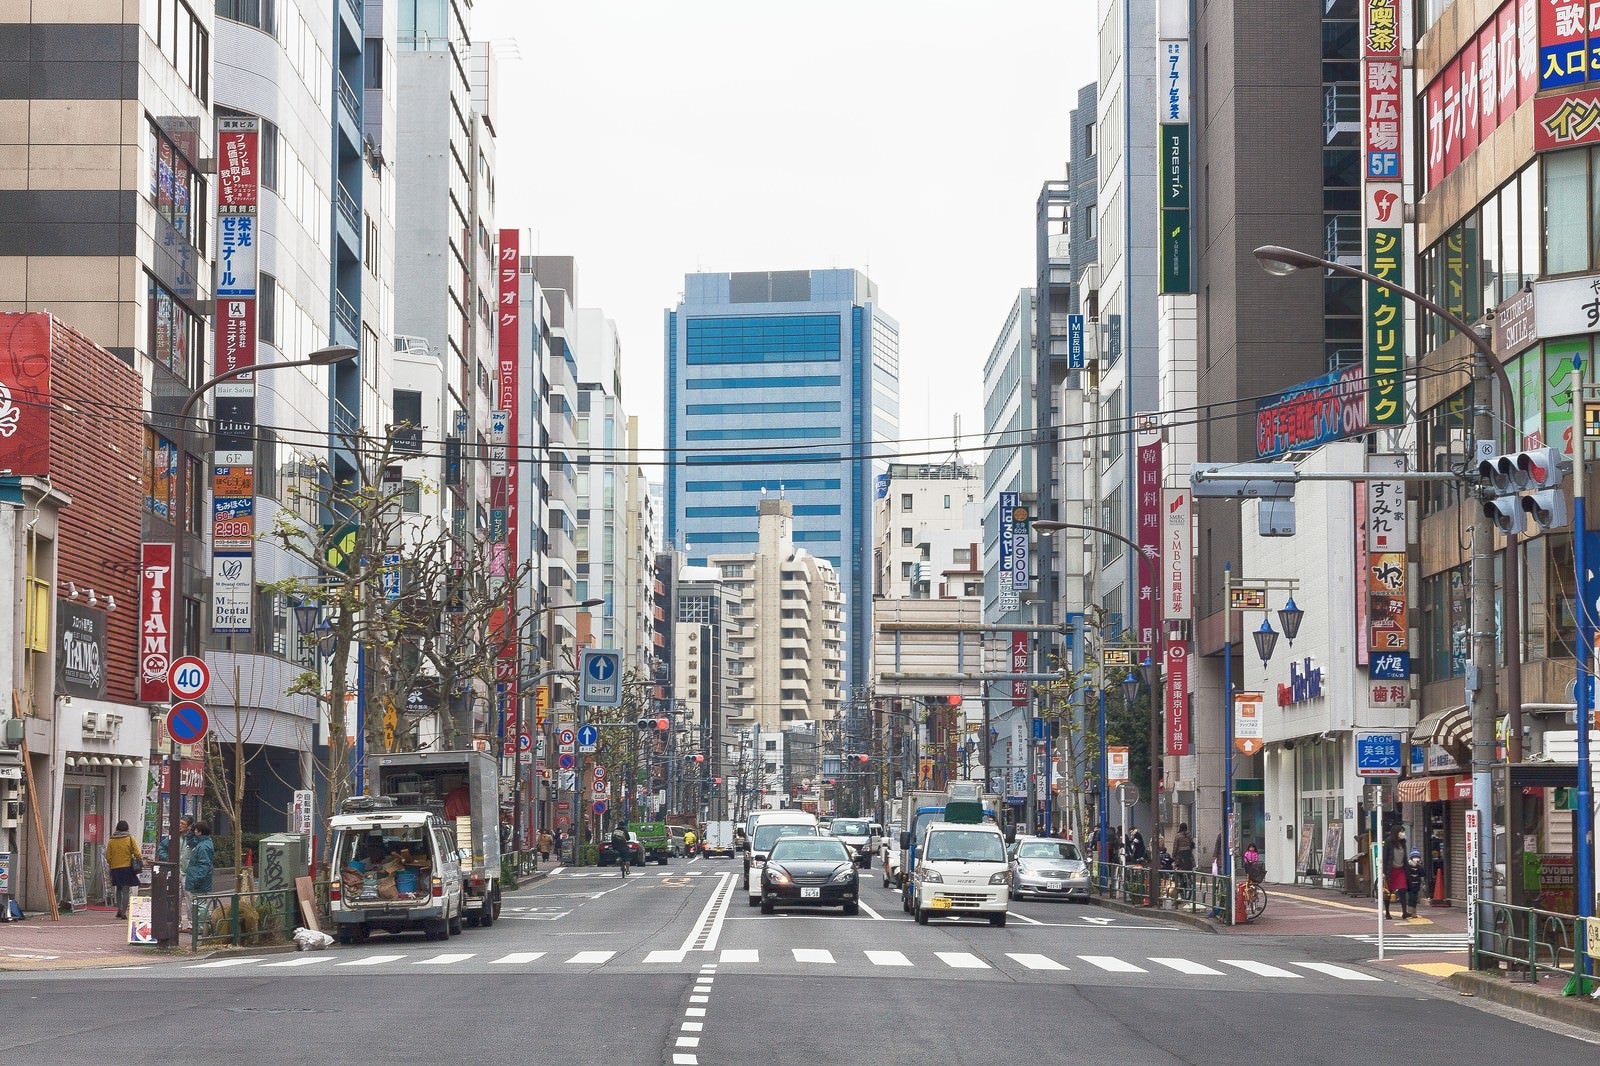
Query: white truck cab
[[961, 869]]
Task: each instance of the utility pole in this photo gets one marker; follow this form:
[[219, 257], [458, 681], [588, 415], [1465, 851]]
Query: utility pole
[[1482, 681]]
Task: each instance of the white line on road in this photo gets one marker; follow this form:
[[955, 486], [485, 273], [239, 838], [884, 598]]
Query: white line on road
[[699, 999], [665, 956], [887, 958], [876, 916], [740, 955], [694, 1012], [696, 930], [1341, 972], [373, 960], [517, 958], [1035, 962], [688, 1041], [813, 955], [693, 1027], [591, 958], [1186, 966], [448, 959], [1112, 964], [218, 964], [1025, 918], [304, 960], [1260, 968], [962, 960], [684, 1059]]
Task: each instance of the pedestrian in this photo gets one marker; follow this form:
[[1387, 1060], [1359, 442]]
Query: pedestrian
[[1136, 853], [1394, 872], [1413, 872], [1251, 855], [202, 860], [1114, 847], [124, 862], [547, 843], [1183, 859]]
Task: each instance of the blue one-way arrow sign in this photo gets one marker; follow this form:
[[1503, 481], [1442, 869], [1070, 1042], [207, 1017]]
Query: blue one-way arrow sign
[[588, 737], [600, 678]]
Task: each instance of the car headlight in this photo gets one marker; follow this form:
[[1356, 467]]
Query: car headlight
[[930, 875], [1000, 878], [843, 876], [776, 876]]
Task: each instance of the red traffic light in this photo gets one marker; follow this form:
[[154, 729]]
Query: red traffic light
[[953, 699], [698, 758]]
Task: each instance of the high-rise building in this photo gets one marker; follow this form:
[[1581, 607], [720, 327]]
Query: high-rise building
[[790, 654], [783, 383]]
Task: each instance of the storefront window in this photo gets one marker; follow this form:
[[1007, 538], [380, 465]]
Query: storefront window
[[1446, 624]]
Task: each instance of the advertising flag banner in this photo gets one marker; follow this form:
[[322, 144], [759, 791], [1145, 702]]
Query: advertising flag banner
[[1177, 555], [157, 588], [1175, 675], [1151, 530]]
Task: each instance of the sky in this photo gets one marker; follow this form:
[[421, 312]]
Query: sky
[[904, 138]]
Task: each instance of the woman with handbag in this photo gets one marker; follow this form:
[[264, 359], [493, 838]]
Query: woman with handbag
[[125, 862]]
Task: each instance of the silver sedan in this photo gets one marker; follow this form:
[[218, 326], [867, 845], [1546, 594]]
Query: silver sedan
[[1045, 866]]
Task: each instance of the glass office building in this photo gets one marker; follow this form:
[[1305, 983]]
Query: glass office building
[[783, 383]]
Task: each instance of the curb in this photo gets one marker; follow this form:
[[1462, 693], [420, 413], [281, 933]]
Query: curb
[[1194, 921], [1582, 1013]]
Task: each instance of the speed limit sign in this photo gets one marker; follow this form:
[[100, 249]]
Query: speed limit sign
[[188, 677]]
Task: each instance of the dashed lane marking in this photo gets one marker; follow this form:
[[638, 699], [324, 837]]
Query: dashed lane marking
[[517, 958], [813, 955], [962, 960], [373, 960], [1035, 962], [591, 958], [888, 958]]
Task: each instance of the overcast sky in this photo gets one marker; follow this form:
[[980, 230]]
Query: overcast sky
[[904, 138]]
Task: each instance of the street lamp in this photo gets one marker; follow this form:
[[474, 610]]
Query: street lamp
[[1130, 688], [165, 885], [1266, 639], [1482, 682], [1148, 562]]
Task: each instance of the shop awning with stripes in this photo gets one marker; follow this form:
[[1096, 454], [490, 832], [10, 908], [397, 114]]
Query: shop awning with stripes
[[1435, 789], [1448, 728]]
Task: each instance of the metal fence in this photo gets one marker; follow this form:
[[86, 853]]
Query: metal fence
[[1531, 941], [1189, 891], [235, 918]]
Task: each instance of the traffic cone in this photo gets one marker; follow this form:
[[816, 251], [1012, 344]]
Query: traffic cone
[[1438, 899]]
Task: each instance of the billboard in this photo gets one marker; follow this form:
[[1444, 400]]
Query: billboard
[[25, 393], [1324, 409]]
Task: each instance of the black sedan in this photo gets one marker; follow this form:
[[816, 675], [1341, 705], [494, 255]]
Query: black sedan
[[810, 872], [606, 855]]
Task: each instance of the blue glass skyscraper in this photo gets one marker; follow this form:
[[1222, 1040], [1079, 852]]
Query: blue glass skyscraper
[[786, 382]]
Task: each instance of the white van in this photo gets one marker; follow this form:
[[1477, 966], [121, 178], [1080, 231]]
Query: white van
[[961, 869], [767, 826]]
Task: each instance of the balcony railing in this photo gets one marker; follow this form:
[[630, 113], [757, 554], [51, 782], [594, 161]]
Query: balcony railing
[[347, 207], [1341, 111], [345, 311], [347, 96]]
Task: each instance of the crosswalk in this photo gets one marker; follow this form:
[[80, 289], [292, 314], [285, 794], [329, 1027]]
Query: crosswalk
[[1415, 941], [802, 958]]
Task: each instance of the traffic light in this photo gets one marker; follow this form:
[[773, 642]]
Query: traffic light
[[858, 758], [452, 460], [658, 724], [1537, 471], [954, 699], [694, 758]]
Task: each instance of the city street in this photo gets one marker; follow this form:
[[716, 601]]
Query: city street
[[671, 965]]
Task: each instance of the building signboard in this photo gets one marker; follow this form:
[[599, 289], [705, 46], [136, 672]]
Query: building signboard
[[156, 591], [1481, 87], [1328, 408], [80, 650], [1148, 513], [1019, 665], [1175, 677], [1177, 556], [1386, 330], [25, 394], [232, 592]]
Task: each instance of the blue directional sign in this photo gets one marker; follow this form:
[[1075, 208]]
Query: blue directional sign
[[1379, 752], [588, 737], [600, 678]]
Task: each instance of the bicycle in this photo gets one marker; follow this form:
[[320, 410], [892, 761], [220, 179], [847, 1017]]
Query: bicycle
[[1255, 896]]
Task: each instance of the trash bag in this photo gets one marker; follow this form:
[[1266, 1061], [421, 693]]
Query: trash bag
[[311, 940]]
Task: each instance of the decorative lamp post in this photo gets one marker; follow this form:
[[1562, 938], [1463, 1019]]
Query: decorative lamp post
[[1266, 639]]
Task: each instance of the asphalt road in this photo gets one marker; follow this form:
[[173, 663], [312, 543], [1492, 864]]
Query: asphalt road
[[671, 966]]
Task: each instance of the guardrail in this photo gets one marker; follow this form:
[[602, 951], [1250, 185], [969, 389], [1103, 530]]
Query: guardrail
[[1532, 941], [235, 918], [1190, 891]]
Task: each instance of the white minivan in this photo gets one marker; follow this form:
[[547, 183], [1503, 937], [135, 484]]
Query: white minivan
[[765, 827], [961, 869]]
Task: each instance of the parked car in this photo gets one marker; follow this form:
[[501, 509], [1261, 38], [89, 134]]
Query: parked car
[[809, 871], [607, 857], [398, 871], [1045, 866]]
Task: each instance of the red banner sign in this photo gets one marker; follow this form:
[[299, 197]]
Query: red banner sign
[[236, 333], [157, 588], [1149, 514], [1175, 674], [25, 393], [1019, 665], [238, 166], [191, 777]]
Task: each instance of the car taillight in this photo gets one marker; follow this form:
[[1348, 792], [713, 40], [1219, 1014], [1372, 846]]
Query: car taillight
[[334, 892], [438, 888], [477, 881]]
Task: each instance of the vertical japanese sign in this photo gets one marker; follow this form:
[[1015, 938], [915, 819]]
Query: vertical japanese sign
[[503, 485], [1148, 514], [1172, 106], [1019, 665], [1382, 138], [1009, 599], [1564, 43], [234, 401], [156, 589], [1175, 674], [1388, 616], [1177, 556]]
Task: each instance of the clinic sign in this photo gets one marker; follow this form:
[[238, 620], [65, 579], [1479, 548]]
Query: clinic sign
[[1383, 137]]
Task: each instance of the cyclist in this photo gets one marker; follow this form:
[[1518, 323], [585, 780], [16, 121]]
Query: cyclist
[[619, 848], [688, 842]]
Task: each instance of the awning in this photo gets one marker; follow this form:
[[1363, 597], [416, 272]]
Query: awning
[[1447, 728], [1435, 789]]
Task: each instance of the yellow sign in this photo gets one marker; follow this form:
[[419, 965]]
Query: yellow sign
[[542, 698], [391, 721], [1593, 925], [1247, 599], [1117, 657]]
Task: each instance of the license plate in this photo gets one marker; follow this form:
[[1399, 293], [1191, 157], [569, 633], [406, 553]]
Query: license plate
[[1053, 886], [939, 903], [811, 893]]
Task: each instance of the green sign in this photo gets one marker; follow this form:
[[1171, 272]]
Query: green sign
[[1175, 165], [1175, 273], [1386, 331]]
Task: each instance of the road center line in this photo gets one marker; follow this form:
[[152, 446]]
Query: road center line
[[698, 930]]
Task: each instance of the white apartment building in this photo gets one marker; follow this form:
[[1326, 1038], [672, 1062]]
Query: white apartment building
[[926, 524]]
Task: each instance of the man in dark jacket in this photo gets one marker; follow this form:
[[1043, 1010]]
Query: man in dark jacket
[[1137, 855], [1183, 859]]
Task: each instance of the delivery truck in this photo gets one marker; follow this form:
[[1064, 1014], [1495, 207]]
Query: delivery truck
[[463, 787]]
